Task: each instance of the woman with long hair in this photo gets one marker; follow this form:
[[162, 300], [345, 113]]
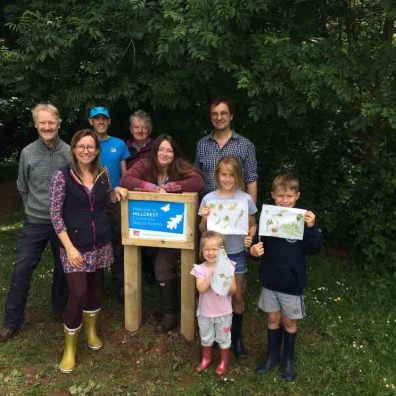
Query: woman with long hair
[[79, 195], [166, 170]]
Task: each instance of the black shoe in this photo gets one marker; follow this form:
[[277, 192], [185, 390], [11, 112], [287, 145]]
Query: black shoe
[[289, 341], [6, 334], [288, 373], [236, 336], [269, 363], [238, 349], [169, 317], [168, 322], [273, 351]]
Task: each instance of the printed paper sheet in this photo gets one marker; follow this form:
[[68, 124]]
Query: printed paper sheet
[[229, 217], [277, 221], [222, 274]]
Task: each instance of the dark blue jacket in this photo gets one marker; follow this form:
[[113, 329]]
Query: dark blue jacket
[[85, 214], [283, 265]]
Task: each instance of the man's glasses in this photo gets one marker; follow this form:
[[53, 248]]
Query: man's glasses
[[221, 115]]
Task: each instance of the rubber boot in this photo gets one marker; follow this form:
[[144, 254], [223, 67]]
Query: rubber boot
[[206, 358], [89, 320], [68, 362], [169, 318], [273, 351], [222, 368], [236, 336], [289, 341]]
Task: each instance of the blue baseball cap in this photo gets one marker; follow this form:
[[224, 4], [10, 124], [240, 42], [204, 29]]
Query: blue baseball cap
[[95, 111]]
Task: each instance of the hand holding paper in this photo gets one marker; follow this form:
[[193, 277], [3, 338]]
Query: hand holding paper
[[257, 250], [309, 219], [223, 274]]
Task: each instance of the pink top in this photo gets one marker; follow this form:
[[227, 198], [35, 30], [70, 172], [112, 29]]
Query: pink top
[[211, 304]]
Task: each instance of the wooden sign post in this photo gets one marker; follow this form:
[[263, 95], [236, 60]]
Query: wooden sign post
[[164, 221]]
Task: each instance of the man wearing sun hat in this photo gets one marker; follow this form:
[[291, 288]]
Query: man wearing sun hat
[[113, 155]]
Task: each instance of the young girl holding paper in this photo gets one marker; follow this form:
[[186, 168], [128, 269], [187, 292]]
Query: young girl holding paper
[[214, 310], [230, 181]]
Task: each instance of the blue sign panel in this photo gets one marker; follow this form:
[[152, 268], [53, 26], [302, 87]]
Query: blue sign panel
[[156, 219]]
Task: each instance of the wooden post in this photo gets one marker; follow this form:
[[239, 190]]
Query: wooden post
[[187, 305], [133, 266], [132, 287]]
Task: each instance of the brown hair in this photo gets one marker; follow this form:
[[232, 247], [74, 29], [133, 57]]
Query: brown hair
[[95, 165], [235, 166], [287, 181], [180, 166], [221, 99], [209, 235]]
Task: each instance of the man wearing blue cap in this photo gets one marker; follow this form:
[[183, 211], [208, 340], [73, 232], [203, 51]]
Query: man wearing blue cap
[[113, 155]]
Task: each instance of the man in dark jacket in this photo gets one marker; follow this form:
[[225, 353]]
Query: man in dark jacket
[[37, 163]]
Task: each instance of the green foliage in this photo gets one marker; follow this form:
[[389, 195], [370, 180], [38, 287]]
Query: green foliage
[[373, 225], [313, 82]]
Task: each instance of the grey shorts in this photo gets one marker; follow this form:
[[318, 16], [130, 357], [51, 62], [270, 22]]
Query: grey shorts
[[215, 329], [292, 307]]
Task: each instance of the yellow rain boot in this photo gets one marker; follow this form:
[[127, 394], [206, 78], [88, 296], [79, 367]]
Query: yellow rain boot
[[89, 321], [68, 361]]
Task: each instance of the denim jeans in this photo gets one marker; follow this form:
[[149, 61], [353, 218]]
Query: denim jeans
[[30, 245]]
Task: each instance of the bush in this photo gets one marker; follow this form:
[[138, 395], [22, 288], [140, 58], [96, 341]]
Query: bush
[[372, 219]]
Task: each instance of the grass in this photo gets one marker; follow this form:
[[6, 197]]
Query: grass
[[346, 345]]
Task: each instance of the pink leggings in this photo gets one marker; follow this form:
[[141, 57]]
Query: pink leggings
[[85, 293]]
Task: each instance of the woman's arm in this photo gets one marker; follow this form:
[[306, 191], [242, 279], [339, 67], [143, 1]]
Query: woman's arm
[[57, 198], [73, 255], [193, 182], [135, 178]]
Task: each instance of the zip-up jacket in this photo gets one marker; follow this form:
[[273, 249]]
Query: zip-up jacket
[[283, 265], [84, 213], [136, 154], [37, 164]]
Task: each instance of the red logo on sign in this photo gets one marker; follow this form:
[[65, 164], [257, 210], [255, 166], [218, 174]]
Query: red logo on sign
[[136, 232]]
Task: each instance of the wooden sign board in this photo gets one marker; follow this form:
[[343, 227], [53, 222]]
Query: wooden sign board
[[164, 221]]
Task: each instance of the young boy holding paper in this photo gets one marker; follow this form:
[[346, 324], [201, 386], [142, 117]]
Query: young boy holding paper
[[283, 276]]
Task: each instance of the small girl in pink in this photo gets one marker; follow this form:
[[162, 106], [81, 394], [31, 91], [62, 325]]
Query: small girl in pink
[[214, 312]]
